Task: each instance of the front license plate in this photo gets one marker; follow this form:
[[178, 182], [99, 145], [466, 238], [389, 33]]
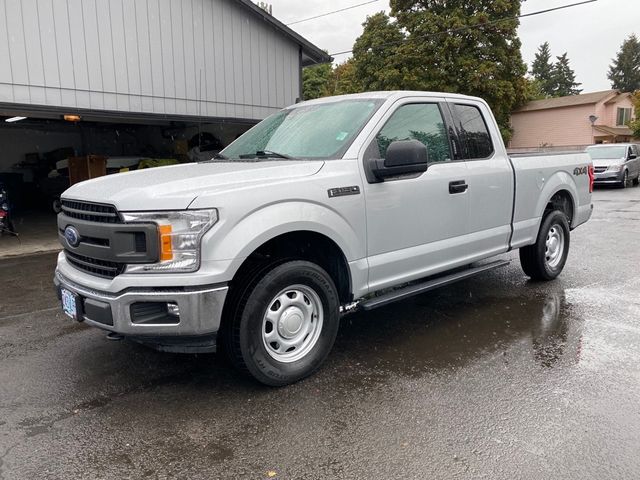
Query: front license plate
[[70, 304]]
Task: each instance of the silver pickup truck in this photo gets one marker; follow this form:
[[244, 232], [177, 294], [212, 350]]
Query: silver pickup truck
[[327, 207]]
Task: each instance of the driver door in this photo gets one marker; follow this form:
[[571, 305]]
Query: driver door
[[415, 223]]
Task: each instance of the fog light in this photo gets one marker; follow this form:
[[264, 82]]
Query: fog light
[[173, 309]]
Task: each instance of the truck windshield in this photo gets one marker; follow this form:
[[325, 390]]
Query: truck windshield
[[320, 131], [601, 153]]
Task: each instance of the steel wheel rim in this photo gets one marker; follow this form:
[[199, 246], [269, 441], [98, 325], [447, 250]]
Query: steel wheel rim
[[292, 323], [554, 246]]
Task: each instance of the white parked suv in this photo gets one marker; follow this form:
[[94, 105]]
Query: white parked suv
[[325, 207]]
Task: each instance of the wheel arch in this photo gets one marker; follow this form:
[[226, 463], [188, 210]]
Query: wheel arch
[[559, 192], [300, 245]]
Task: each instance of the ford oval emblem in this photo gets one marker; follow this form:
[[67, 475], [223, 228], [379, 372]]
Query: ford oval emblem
[[72, 236]]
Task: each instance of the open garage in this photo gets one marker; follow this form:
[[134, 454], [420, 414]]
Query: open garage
[[95, 88], [45, 152]]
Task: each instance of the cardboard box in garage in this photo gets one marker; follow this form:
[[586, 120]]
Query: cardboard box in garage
[[84, 168]]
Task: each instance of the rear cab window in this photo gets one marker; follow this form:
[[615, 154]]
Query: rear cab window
[[475, 139]]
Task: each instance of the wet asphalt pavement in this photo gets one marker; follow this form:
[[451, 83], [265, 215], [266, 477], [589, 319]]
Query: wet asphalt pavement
[[495, 377]]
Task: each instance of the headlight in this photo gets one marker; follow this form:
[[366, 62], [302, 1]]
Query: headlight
[[179, 236], [615, 168]]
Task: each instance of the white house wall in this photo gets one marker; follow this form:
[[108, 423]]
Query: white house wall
[[212, 58]]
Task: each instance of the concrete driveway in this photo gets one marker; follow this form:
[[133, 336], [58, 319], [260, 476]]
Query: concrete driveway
[[496, 377]]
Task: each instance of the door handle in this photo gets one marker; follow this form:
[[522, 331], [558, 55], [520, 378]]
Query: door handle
[[459, 186]]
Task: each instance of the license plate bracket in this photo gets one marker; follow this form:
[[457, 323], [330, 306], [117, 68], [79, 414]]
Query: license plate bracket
[[71, 304]]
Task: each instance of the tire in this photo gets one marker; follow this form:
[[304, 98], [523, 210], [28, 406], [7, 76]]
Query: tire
[[636, 181], [625, 179], [545, 259], [281, 328]]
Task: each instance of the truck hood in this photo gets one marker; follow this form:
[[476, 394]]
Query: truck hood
[[175, 187]]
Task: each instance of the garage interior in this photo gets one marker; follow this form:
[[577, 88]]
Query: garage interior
[[40, 148]]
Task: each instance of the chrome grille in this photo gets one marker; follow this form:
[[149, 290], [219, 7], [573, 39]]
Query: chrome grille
[[599, 169], [91, 212]]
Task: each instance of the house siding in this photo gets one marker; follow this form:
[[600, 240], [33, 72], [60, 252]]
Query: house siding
[[208, 58], [567, 125], [553, 127]]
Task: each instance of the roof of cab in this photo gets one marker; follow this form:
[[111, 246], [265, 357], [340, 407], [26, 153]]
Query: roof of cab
[[386, 95]]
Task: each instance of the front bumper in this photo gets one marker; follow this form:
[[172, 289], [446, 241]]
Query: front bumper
[[200, 309], [608, 177]]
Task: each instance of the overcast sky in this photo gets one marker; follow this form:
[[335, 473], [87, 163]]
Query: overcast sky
[[591, 34]]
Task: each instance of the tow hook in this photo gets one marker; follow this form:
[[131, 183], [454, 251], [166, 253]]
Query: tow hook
[[115, 337]]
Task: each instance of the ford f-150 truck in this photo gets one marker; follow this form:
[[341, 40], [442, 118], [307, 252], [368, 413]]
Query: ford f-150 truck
[[326, 207]]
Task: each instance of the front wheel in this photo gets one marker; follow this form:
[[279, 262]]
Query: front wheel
[[284, 326], [625, 179], [545, 259]]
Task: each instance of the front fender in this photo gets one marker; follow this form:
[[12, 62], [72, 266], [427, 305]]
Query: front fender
[[236, 241]]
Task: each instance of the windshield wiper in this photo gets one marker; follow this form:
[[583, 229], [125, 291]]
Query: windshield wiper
[[267, 153]]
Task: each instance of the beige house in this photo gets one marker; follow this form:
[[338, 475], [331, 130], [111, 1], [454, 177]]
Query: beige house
[[574, 121]]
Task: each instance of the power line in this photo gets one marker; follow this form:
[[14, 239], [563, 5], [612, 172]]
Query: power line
[[469, 27], [332, 12]]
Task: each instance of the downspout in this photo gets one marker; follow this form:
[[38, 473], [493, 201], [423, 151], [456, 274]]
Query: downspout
[[300, 91]]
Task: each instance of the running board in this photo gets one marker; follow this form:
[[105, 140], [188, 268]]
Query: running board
[[419, 288]]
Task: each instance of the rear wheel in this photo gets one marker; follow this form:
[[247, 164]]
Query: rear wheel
[[545, 259], [636, 180], [284, 325]]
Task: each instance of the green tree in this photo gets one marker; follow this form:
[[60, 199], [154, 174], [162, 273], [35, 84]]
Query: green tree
[[343, 79], [533, 90], [375, 54], [315, 81], [624, 72], [459, 46], [542, 70], [634, 125], [564, 78]]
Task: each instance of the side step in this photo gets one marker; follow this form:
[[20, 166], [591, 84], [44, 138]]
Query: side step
[[419, 288]]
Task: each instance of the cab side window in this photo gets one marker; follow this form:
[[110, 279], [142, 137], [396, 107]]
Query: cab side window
[[417, 121], [473, 131]]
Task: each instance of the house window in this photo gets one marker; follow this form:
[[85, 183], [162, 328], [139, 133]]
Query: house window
[[624, 116]]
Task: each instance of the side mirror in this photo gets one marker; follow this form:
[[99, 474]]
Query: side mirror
[[406, 152], [632, 156], [403, 157]]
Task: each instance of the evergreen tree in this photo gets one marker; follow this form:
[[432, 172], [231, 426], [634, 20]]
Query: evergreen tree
[[375, 54], [564, 78], [462, 46], [542, 70], [624, 72]]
